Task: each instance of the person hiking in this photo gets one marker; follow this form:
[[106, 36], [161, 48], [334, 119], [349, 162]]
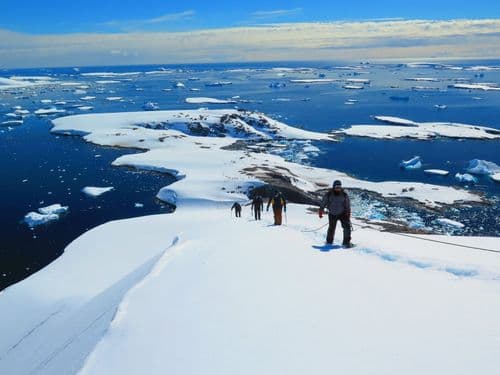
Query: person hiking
[[278, 203], [338, 204], [257, 206], [237, 209]]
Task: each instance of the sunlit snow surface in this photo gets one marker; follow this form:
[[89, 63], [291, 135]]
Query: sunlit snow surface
[[189, 293]]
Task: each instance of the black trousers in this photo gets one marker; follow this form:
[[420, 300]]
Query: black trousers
[[332, 224], [257, 214], [238, 213]]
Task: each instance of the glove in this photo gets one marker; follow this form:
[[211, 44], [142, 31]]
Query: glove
[[320, 213]]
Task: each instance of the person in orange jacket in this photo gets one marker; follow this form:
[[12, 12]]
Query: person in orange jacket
[[338, 204], [278, 203]]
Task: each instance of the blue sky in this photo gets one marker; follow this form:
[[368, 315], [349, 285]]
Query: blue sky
[[116, 16]]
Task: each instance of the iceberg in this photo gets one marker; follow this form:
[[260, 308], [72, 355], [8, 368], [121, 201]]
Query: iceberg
[[413, 163], [466, 178], [482, 167]]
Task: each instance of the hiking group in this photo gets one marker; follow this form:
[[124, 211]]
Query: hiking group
[[336, 203]]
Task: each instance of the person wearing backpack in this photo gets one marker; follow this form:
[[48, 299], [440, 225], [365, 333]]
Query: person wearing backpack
[[278, 203], [337, 202]]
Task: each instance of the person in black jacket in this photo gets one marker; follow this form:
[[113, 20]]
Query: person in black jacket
[[257, 206], [278, 203], [237, 209], [339, 208]]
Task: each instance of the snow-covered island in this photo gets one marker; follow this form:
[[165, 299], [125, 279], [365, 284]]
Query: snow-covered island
[[201, 292]]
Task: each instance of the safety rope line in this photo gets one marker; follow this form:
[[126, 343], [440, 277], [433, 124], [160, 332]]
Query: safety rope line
[[443, 242]]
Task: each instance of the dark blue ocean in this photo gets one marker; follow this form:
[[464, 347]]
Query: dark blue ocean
[[39, 168]]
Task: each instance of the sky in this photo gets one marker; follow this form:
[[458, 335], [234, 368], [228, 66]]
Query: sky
[[54, 33]]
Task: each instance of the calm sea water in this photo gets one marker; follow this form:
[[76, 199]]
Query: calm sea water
[[40, 169]]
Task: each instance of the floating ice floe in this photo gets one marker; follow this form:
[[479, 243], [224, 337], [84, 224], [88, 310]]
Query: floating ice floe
[[12, 122], [477, 86], [138, 205], [95, 191], [482, 167], [449, 222], [314, 80], [85, 108], [110, 74], [439, 172], [179, 85], [353, 87], [422, 79], [114, 98], [48, 111], [204, 100], [364, 81], [106, 82], [420, 130], [466, 178], [218, 83], [151, 106], [440, 106], [87, 98], [45, 215], [413, 163]]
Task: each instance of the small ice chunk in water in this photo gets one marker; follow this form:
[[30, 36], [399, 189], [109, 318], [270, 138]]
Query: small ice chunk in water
[[45, 215], [413, 163], [138, 205], [94, 191], [439, 172], [53, 209], [34, 219], [466, 178], [448, 222]]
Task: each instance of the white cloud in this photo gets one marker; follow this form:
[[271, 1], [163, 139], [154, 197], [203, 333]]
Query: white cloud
[[169, 17], [276, 13], [294, 41]]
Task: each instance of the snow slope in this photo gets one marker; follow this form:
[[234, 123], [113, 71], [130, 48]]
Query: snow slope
[[187, 293]]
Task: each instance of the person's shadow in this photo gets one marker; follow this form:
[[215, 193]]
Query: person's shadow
[[326, 248]]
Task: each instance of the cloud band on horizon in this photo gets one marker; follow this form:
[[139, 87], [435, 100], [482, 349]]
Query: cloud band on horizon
[[391, 39]]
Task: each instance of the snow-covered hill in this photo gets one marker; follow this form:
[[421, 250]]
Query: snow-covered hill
[[203, 292]]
